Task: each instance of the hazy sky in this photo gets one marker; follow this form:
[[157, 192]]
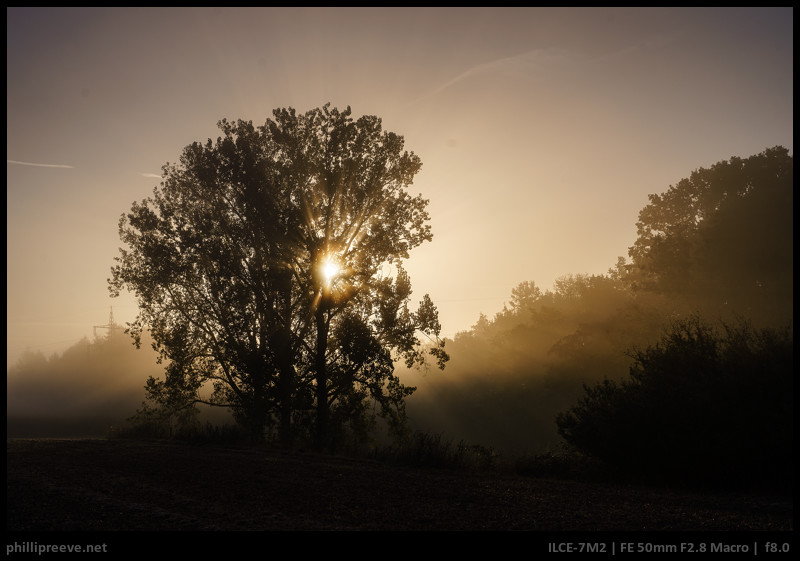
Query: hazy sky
[[541, 131]]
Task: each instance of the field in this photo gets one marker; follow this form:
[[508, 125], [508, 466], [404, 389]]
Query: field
[[109, 485]]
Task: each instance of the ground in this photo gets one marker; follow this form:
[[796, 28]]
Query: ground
[[99, 485]]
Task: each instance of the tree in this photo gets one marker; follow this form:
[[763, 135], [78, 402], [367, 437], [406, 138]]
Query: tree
[[704, 405], [722, 237], [269, 265], [524, 296]]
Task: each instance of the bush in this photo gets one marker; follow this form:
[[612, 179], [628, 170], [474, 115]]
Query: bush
[[566, 463], [428, 450], [197, 433], [704, 405]]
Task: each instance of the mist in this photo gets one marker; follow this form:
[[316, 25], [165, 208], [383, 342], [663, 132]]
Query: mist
[[507, 378], [511, 374], [83, 392]]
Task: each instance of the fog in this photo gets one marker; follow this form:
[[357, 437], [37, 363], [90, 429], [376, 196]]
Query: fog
[[510, 374], [82, 392], [507, 378], [542, 131]]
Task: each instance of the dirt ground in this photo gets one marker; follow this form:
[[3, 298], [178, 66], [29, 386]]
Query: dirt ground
[[100, 485]]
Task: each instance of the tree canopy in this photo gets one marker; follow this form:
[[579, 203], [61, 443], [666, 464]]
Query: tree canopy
[[268, 264], [718, 244], [703, 405], [722, 238]]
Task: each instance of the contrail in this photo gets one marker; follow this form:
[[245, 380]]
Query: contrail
[[38, 165], [527, 60]]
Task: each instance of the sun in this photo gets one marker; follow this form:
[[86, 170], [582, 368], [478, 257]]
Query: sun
[[330, 269]]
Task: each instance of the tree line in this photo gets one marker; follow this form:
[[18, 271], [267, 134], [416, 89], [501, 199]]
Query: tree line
[[584, 352], [268, 270]]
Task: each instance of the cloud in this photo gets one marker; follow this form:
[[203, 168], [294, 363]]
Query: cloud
[[38, 165], [156, 175]]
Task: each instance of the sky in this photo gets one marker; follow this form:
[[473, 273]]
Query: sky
[[541, 130]]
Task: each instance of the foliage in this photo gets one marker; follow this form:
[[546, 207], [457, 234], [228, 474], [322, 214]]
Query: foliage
[[704, 405], [563, 463], [722, 239], [510, 375], [433, 450], [195, 433], [229, 261]]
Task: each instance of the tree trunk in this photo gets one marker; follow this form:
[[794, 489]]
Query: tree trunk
[[286, 375], [257, 416], [323, 410]]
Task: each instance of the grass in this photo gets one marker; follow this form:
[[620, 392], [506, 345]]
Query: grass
[[435, 451], [428, 450]]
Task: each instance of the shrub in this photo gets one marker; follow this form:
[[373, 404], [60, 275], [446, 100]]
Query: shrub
[[198, 433], [704, 405], [566, 463], [423, 449]]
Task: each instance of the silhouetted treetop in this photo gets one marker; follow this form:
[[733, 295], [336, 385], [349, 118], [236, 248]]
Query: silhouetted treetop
[[269, 264], [722, 237]]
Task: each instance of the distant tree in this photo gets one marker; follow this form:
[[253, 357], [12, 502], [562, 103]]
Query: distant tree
[[722, 237], [269, 264], [79, 392], [524, 296], [703, 405], [517, 370]]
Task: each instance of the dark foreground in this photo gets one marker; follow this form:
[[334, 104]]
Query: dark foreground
[[99, 485]]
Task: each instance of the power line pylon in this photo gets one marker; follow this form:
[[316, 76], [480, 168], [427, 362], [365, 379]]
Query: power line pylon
[[111, 326]]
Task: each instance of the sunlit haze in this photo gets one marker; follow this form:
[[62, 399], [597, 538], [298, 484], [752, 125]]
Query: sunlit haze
[[330, 269], [541, 130]]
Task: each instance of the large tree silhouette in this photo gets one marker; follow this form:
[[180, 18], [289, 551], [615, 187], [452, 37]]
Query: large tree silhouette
[[269, 265], [722, 238]]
